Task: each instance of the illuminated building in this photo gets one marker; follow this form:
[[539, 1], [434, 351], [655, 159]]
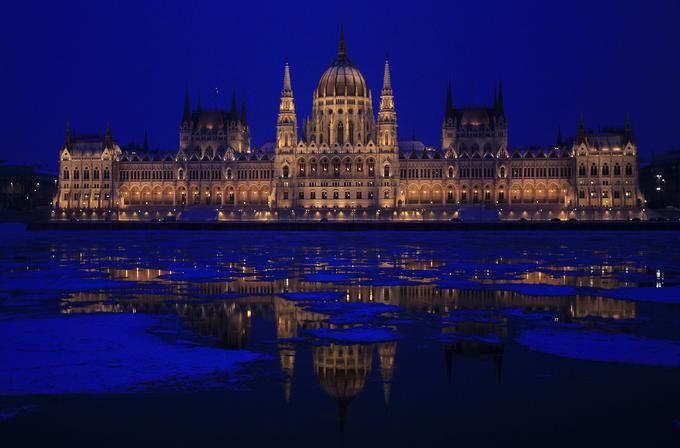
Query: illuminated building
[[347, 163]]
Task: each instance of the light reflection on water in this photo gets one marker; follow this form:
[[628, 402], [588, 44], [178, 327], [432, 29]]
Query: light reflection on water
[[237, 292]]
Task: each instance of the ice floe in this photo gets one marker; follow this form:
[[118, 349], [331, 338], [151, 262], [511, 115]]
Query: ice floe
[[105, 353], [355, 335], [601, 346]]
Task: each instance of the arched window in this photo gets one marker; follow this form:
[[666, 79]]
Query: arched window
[[312, 166], [180, 174], [341, 133], [582, 170], [502, 172], [593, 170], [386, 171], [371, 167], [450, 171], [336, 167], [351, 131], [629, 169], [301, 167], [229, 173], [285, 171], [605, 170], [617, 170], [324, 165], [76, 174], [65, 173], [360, 166], [95, 174], [348, 165], [86, 174]]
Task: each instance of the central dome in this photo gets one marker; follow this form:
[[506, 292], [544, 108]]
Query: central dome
[[342, 77]]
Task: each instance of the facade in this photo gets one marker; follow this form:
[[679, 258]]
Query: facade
[[347, 163]]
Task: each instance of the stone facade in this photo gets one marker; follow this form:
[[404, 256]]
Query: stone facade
[[349, 164]]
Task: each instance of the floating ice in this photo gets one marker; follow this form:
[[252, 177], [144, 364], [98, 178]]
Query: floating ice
[[309, 296], [328, 277], [355, 335], [343, 313], [106, 353], [599, 346], [666, 294]]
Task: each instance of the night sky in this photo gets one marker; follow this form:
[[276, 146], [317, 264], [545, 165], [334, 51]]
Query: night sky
[[89, 62]]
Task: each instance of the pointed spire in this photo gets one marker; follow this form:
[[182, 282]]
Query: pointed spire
[[286, 79], [244, 115], [499, 99], [342, 46], [628, 131], [198, 104], [387, 81], [581, 131], [234, 110], [558, 140], [186, 116], [108, 140], [146, 141], [449, 102], [67, 137]]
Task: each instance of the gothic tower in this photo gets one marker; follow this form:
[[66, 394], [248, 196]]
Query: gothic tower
[[286, 124]]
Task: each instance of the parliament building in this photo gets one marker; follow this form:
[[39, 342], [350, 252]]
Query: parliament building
[[344, 162]]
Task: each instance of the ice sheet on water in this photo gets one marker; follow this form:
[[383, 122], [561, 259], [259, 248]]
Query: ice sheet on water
[[199, 275], [9, 412], [666, 294], [352, 312], [104, 353], [326, 277], [311, 296], [600, 346], [355, 335]]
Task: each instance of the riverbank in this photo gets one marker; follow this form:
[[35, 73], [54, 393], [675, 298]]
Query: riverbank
[[359, 225]]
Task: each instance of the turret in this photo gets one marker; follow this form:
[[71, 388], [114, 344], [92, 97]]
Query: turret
[[387, 116], [627, 131], [234, 110], [108, 140], [500, 108], [449, 125], [581, 131], [67, 137], [186, 115], [286, 125]]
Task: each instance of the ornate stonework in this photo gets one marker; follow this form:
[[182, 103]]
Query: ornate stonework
[[349, 164]]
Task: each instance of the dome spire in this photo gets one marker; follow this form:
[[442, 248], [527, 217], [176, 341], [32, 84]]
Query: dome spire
[[342, 46]]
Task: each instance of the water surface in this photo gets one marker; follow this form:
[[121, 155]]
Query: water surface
[[340, 338]]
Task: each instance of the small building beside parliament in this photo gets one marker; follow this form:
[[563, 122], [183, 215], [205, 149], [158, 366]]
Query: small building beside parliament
[[344, 162]]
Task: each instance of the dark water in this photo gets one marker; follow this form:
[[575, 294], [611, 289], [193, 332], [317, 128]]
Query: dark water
[[339, 339]]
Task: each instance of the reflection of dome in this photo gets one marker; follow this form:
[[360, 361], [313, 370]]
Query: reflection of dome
[[474, 117], [342, 78], [342, 369]]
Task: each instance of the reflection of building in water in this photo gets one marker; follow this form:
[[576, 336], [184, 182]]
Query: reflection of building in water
[[342, 371], [469, 346], [386, 353]]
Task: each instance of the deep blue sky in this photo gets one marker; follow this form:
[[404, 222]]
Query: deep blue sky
[[129, 62]]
